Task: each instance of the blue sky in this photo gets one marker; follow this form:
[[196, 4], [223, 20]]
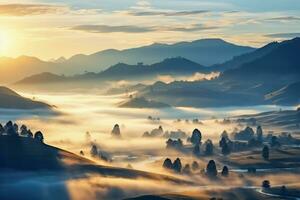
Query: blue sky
[[87, 26]]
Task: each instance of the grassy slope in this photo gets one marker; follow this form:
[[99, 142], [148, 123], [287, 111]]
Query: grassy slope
[[20, 153]]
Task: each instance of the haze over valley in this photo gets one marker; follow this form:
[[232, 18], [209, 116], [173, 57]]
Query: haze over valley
[[149, 100]]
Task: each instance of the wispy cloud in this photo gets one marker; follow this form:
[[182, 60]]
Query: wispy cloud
[[140, 29], [111, 29], [166, 13], [283, 35], [30, 9], [284, 18]]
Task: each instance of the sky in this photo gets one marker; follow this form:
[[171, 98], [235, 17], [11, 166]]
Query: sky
[[52, 28]]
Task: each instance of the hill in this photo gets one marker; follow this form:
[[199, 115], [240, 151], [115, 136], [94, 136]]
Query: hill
[[205, 51], [285, 119], [28, 154], [280, 64], [237, 61], [288, 95], [245, 85], [171, 66], [13, 69], [12, 100]]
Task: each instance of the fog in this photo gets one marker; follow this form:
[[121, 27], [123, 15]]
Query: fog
[[76, 114]]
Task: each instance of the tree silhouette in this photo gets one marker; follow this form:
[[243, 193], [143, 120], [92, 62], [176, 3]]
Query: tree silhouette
[[196, 150], [23, 130], [265, 152], [94, 151], [186, 169], [259, 134], [211, 169], [177, 165], [116, 131], [225, 171], [195, 166], [266, 184], [226, 149], [81, 153], [39, 136], [196, 137], [168, 163], [209, 147], [1, 129], [222, 141], [29, 134]]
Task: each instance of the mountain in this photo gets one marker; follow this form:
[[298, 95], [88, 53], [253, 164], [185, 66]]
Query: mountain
[[43, 78], [206, 52], [172, 66], [12, 69], [11, 100], [279, 65], [243, 86], [237, 61], [288, 95]]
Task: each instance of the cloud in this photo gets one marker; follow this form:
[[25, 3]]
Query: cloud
[[284, 18], [111, 29], [140, 29], [166, 13], [30, 9], [283, 35]]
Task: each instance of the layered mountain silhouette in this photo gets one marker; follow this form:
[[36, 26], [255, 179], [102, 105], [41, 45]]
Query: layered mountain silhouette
[[11, 100], [205, 52], [171, 66], [245, 58], [246, 84]]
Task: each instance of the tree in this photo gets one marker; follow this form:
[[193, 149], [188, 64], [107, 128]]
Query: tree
[[16, 128], [226, 149], [195, 166], [259, 134], [1, 129], [265, 152], [177, 165], [81, 153], [196, 150], [211, 169], [224, 134], [222, 141], [116, 131], [225, 171], [274, 142], [94, 151], [29, 134], [196, 137], [186, 169], [209, 147], [168, 163], [10, 129], [39, 136], [266, 184], [23, 130], [283, 189]]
